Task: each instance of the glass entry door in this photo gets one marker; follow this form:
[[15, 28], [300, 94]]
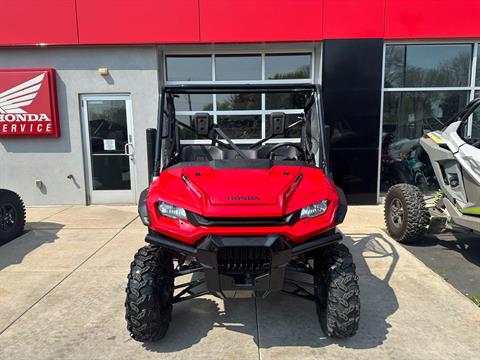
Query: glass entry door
[[110, 151]]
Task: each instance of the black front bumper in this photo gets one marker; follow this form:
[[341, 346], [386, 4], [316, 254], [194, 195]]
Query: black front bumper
[[244, 263]]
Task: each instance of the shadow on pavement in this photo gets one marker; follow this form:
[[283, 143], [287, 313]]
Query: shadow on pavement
[[378, 299], [15, 250], [285, 320], [465, 243], [194, 319]]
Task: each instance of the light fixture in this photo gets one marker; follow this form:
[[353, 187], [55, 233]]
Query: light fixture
[[103, 71]]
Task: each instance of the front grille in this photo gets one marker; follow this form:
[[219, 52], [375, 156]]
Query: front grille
[[199, 220], [244, 259]]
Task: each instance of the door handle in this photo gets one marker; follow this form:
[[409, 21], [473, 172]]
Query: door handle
[[129, 150]]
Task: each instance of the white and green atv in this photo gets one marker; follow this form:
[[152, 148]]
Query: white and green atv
[[454, 153]]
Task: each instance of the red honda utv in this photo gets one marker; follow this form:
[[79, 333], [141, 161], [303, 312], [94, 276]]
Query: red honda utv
[[241, 217]]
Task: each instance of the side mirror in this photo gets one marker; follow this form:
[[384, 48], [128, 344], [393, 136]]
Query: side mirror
[[202, 123], [277, 123]]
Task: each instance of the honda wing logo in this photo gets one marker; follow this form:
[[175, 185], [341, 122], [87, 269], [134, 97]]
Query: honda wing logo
[[28, 103], [12, 100]]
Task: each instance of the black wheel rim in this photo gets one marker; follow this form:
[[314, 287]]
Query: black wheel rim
[[8, 217], [397, 213]]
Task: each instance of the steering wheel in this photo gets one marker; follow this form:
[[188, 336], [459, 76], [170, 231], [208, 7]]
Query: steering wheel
[[278, 146]]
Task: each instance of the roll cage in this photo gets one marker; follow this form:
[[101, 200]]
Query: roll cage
[[166, 121], [466, 112], [463, 116]]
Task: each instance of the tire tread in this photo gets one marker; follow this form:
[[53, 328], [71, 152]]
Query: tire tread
[[341, 316], [149, 291], [17, 201], [418, 217]]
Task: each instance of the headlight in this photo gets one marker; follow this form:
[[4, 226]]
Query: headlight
[[171, 211], [314, 210]]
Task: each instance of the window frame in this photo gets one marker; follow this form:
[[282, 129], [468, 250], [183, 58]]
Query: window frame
[[262, 110], [471, 88]]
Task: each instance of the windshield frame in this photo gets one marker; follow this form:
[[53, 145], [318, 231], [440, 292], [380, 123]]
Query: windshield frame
[[239, 88]]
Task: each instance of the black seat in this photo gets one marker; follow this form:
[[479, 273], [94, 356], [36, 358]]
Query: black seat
[[283, 153], [263, 150], [232, 154], [201, 153]]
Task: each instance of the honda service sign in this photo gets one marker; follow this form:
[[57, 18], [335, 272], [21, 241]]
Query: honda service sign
[[28, 103]]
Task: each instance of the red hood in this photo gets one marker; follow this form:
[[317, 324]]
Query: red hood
[[272, 192]]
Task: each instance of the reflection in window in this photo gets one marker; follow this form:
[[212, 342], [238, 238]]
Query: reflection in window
[[285, 101], [407, 116], [412, 114], [427, 65], [189, 68], [288, 66], [111, 172], [241, 101], [184, 133], [241, 126], [477, 75], [194, 102], [252, 108], [238, 67], [107, 120]]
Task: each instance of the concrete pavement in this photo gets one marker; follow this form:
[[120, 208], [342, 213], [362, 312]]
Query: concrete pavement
[[62, 292]]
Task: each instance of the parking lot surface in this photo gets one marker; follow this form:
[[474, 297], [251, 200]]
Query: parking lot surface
[[454, 255], [62, 292]]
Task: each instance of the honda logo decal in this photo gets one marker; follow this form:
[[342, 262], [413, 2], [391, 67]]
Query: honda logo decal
[[28, 103]]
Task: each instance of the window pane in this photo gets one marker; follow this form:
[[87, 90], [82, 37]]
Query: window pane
[[239, 101], [295, 132], [189, 68], [107, 123], [411, 114], [288, 66], [477, 82], [438, 65], [285, 101], [395, 66], [241, 126], [110, 172], [428, 65], [184, 133], [194, 102], [238, 67], [407, 116]]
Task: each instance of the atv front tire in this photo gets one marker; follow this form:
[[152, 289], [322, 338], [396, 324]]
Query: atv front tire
[[337, 295], [12, 216], [149, 294], [406, 215]]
